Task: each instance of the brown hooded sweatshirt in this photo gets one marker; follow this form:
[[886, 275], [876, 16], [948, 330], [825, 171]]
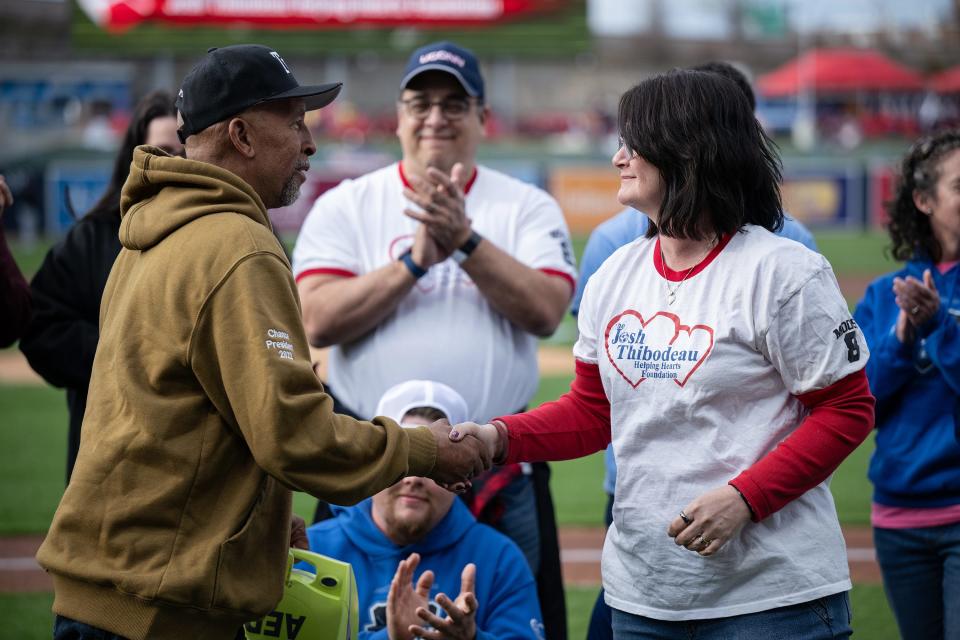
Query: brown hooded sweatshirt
[[203, 413]]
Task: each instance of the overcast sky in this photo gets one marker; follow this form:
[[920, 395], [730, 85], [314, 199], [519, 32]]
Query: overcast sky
[[853, 16], [710, 18]]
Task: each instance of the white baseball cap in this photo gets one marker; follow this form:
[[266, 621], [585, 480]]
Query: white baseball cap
[[398, 400]]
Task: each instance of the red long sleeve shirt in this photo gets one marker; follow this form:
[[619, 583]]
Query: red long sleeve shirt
[[578, 424]]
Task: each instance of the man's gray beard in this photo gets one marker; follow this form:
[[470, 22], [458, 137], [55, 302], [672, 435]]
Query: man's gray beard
[[290, 192]]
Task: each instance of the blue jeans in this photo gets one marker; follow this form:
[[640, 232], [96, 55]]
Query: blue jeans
[[67, 629], [921, 575], [599, 628], [519, 519], [820, 619]]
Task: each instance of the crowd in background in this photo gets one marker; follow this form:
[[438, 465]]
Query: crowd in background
[[394, 268]]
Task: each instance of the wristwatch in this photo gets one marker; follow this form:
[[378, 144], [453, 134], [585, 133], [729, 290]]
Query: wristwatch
[[467, 247], [415, 270]]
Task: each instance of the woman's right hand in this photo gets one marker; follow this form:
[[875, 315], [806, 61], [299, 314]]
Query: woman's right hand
[[903, 328], [918, 302], [488, 434]]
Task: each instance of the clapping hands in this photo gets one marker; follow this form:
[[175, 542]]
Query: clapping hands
[[918, 302], [442, 211], [408, 606]]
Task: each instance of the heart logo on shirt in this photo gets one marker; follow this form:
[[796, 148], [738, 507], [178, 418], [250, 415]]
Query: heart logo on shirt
[[661, 347]]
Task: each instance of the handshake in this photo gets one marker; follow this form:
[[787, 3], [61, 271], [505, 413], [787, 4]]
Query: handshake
[[465, 451]]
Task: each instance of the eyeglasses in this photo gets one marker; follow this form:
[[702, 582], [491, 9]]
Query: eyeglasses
[[451, 108]]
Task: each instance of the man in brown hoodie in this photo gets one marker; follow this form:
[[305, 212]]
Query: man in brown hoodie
[[204, 411]]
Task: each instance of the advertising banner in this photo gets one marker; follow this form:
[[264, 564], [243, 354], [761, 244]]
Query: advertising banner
[[587, 194], [832, 196], [315, 14], [881, 178], [72, 188]]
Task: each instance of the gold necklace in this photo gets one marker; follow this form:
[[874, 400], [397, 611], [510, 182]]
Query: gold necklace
[[672, 291]]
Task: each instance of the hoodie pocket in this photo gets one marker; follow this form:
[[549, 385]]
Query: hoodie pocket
[[252, 562]]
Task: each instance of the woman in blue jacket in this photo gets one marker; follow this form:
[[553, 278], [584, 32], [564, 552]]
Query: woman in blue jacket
[[910, 319]]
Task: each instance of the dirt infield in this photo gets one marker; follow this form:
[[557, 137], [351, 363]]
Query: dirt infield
[[580, 551]]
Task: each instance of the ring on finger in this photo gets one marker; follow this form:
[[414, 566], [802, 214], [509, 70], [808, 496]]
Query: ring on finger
[[686, 519]]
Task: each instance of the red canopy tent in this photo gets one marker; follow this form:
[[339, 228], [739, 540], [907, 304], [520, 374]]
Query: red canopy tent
[[947, 81], [839, 71]]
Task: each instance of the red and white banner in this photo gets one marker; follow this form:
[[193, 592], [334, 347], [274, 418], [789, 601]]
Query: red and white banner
[[269, 14]]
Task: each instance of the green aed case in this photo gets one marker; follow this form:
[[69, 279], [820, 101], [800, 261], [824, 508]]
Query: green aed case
[[315, 606]]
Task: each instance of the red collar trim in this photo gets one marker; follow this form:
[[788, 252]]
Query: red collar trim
[[675, 276], [466, 189]]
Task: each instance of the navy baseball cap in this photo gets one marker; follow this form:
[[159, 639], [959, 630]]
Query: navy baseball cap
[[229, 80], [447, 57]]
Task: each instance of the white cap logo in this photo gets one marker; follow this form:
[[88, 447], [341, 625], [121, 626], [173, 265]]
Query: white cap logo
[[442, 56], [280, 60]]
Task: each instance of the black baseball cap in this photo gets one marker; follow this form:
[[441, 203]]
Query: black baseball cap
[[449, 58], [229, 80]]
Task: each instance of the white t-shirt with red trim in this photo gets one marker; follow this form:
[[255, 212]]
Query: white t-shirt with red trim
[[444, 329], [699, 391]]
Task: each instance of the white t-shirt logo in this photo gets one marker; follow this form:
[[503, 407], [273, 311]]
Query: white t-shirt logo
[[280, 60], [660, 348]]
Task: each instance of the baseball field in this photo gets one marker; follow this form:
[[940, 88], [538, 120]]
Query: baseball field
[[33, 426]]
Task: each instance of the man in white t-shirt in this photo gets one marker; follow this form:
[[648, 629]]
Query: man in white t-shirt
[[438, 268]]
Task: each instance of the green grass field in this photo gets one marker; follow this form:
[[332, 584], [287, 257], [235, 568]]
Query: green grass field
[[34, 444], [33, 451], [27, 616]]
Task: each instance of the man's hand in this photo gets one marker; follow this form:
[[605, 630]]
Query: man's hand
[[6, 196], [425, 251], [298, 533], [404, 599], [711, 520], [444, 211], [459, 461], [461, 620]]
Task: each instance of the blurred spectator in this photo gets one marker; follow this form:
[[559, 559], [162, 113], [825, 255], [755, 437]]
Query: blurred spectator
[[14, 292], [437, 267], [417, 529], [61, 339], [909, 318]]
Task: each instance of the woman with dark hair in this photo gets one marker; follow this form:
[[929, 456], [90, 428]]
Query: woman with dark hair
[[62, 335], [723, 363], [910, 320]]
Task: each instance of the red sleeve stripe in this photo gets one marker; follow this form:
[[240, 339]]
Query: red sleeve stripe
[[343, 273], [564, 275], [841, 417], [575, 425]]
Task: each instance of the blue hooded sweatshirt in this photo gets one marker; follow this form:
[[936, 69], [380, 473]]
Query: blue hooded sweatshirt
[[505, 589], [917, 458]]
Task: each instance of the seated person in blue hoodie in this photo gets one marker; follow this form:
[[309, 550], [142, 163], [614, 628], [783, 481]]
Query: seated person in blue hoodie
[[414, 543]]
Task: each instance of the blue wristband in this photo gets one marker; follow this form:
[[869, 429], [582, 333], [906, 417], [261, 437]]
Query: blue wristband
[[416, 270]]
